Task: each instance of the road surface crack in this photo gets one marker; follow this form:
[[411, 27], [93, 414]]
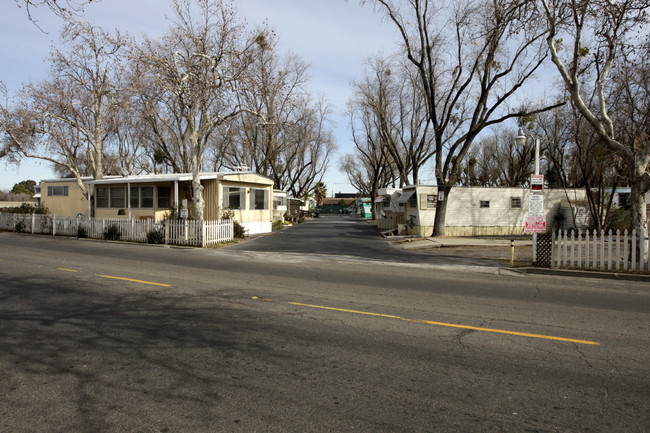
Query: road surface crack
[[462, 334], [583, 357]]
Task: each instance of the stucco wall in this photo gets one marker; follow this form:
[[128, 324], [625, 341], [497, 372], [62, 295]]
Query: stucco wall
[[71, 205]]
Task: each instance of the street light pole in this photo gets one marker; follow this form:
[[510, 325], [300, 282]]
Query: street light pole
[[537, 155], [521, 141]]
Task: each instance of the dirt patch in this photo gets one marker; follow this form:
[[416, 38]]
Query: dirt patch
[[523, 254]]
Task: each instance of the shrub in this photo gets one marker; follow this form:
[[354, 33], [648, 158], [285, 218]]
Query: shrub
[[301, 219], [27, 208], [112, 233], [227, 214], [619, 219], [238, 230], [19, 227], [156, 236], [81, 232]]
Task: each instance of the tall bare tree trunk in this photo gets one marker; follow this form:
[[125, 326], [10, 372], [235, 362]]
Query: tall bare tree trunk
[[197, 188], [638, 209], [441, 209]]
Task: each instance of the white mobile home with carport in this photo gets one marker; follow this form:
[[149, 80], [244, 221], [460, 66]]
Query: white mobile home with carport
[[248, 195]]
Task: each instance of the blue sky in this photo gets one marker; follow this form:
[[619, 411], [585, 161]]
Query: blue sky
[[334, 36]]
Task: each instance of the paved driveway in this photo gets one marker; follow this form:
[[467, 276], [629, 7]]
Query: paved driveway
[[345, 236]]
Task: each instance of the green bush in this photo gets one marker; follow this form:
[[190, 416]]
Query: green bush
[[19, 227], [27, 208], [238, 230], [112, 233], [619, 219], [156, 236]]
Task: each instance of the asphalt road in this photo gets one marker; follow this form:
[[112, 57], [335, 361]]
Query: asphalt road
[[347, 236], [117, 337]]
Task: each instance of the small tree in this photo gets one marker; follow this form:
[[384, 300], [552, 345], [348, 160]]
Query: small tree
[[320, 193], [24, 187]]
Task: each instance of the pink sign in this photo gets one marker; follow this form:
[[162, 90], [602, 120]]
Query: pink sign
[[535, 224]]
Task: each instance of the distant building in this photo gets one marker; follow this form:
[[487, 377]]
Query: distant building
[[347, 195]]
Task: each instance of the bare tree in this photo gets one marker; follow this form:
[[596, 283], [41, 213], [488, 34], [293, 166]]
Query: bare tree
[[390, 94], [495, 160], [196, 72], [65, 9], [68, 119], [594, 41], [370, 167], [287, 134], [312, 143], [471, 57]]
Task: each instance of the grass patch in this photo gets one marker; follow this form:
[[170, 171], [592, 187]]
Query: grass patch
[[223, 244]]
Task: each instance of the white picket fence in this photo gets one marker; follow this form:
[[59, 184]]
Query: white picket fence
[[602, 251], [174, 232]]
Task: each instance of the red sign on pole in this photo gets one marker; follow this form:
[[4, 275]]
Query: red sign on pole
[[537, 182], [535, 224]]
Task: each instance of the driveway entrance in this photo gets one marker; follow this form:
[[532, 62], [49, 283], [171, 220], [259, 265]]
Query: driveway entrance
[[345, 236]]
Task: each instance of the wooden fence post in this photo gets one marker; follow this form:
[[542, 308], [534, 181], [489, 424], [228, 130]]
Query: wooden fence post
[[609, 250], [633, 261], [552, 248], [618, 249], [579, 248]]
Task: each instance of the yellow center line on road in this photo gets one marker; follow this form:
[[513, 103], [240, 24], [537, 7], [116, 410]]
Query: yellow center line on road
[[66, 270], [450, 325], [135, 281]]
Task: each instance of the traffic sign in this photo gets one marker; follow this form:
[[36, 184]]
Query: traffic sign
[[537, 182]]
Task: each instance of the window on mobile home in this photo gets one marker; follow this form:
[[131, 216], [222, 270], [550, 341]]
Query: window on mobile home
[[58, 190], [258, 199]]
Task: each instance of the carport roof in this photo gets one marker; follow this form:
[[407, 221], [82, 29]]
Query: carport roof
[[405, 196], [174, 177]]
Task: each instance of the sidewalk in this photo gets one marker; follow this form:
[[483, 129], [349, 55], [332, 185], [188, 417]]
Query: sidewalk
[[498, 249]]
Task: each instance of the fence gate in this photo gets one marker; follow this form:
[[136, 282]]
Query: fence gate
[[544, 250]]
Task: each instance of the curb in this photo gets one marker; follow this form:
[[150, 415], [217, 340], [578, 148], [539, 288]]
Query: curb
[[586, 274]]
